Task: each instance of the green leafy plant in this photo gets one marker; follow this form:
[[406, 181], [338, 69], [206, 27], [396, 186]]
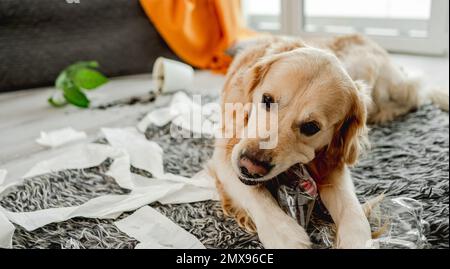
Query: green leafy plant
[[75, 79]]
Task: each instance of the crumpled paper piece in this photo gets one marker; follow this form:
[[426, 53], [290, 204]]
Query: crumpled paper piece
[[6, 231], [144, 154], [180, 104], [186, 114], [155, 231], [166, 188], [60, 137]]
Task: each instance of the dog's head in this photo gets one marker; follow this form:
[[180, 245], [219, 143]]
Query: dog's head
[[321, 114]]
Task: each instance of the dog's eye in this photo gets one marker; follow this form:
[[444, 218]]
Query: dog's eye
[[309, 128], [267, 100]]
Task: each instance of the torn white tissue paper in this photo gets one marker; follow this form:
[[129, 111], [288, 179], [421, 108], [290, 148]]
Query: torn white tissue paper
[[158, 117], [103, 207], [189, 194], [166, 188], [189, 191], [151, 245], [3, 173], [180, 103], [60, 137], [202, 179], [147, 155], [144, 154], [85, 156], [154, 230], [181, 112], [6, 231]]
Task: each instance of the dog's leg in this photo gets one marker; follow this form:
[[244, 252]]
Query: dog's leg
[[338, 196], [275, 228], [230, 209], [396, 93]]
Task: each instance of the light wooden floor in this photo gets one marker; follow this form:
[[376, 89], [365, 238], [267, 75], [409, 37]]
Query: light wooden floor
[[24, 114]]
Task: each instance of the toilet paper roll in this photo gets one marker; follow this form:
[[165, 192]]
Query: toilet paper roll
[[171, 76]]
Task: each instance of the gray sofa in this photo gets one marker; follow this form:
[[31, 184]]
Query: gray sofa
[[38, 38]]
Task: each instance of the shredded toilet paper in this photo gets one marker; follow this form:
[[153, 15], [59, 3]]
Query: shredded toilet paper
[[103, 207], [6, 228], [60, 137], [154, 230], [183, 112], [144, 154], [128, 147], [180, 104], [6, 231]]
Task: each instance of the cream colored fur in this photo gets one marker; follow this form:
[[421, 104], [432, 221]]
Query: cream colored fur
[[341, 83]]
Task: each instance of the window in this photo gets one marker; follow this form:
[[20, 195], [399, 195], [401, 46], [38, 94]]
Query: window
[[413, 26], [263, 15]]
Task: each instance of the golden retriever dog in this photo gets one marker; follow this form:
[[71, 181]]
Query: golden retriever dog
[[326, 91]]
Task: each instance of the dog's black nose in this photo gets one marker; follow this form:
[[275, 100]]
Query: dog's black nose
[[252, 168]]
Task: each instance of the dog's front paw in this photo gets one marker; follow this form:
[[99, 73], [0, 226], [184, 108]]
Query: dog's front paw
[[283, 234], [352, 237], [353, 243]]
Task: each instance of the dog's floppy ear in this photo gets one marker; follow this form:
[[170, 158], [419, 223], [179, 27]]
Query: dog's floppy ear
[[350, 138]]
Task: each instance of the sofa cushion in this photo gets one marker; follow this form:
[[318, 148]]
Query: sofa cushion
[[39, 38]]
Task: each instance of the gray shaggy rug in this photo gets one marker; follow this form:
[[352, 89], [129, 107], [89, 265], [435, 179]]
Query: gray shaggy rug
[[409, 158]]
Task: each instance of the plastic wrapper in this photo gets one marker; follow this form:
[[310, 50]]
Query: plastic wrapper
[[399, 224], [396, 223], [296, 193]]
